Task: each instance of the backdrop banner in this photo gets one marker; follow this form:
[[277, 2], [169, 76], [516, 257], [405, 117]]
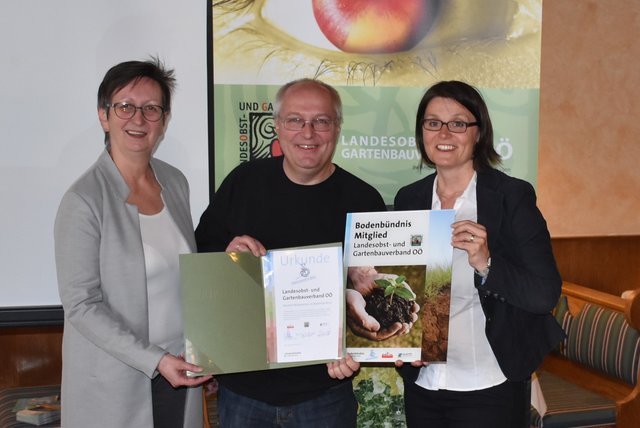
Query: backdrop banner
[[381, 57], [377, 142]]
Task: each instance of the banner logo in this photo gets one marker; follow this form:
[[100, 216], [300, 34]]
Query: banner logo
[[256, 132]]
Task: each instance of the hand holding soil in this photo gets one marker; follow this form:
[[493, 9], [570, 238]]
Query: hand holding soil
[[380, 306], [361, 279], [363, 324]]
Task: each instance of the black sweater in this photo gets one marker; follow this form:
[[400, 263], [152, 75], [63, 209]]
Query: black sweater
[[257, 199]]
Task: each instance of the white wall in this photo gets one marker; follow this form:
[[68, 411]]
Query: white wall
[[54, 55]]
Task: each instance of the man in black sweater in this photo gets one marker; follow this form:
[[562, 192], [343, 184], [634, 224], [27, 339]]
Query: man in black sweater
[[299, 199]]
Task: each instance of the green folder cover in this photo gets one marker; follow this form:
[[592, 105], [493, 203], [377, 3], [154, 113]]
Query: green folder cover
[[224, 311]]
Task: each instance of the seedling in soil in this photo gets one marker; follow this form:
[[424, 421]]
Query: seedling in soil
[[390, 301], [395, 286]]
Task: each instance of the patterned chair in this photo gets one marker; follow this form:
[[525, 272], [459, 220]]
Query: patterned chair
[[592, 378]]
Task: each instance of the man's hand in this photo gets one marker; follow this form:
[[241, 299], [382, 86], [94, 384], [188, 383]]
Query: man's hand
[[246, 243], [343, 368]]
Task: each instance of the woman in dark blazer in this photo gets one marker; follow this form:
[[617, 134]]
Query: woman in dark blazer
[[504, 283]]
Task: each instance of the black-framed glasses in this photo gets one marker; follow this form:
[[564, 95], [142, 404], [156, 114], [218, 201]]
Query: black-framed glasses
[[457, 126], [320, 124], [151, 112]]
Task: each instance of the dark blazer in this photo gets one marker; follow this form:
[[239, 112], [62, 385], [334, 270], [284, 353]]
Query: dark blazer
[[523, 285]]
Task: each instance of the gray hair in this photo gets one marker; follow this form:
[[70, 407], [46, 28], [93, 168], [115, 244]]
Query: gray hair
[[335, 96]]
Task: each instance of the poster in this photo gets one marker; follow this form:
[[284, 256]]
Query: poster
[[399, 291]]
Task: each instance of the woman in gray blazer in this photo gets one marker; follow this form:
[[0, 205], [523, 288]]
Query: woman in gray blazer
[[118, 233]]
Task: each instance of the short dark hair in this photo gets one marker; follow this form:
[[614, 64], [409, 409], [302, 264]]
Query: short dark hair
[[122, 74], [484, 155]]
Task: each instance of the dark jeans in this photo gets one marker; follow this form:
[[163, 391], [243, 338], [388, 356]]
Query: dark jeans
[[168, 404], [503, 406], [336, 408]]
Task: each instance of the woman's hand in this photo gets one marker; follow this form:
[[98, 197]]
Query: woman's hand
[[400, 363], [472, 238], [174, 370]]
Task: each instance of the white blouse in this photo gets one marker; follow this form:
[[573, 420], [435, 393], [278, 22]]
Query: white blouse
[[162, 243], [471, 364]]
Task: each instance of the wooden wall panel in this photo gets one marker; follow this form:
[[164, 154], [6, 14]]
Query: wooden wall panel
[[30, 356], [606, 263]]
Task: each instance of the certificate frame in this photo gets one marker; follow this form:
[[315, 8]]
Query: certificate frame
[[226, 310]]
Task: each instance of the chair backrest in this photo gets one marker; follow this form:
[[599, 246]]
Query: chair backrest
[[600, 338]]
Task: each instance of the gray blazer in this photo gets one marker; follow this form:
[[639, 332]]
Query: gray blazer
[[107, 358]]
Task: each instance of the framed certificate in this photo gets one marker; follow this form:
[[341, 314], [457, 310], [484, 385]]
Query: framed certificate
[[245, 313]]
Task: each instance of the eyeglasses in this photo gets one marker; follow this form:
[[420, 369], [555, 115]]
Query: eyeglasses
[[456, 126], [319, 124], [151, 112]]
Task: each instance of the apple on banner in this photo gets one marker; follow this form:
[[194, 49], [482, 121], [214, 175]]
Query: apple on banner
[[375, 26]]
